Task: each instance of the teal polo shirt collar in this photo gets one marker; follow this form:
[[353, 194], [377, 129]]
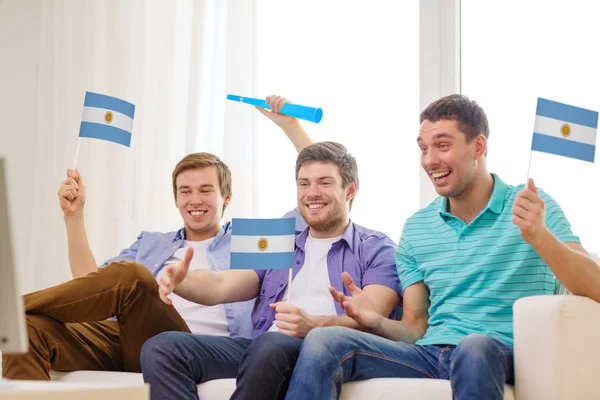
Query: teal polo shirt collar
[[495, 204]]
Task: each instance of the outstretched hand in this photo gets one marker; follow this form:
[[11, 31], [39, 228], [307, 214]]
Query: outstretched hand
[[358, 305], [174, 274]]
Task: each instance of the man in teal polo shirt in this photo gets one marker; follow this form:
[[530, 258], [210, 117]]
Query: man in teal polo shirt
[[462, 262]]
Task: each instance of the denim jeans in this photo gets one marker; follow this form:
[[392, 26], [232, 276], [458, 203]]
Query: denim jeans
[[267, 367], [477, 367], [173, 363]]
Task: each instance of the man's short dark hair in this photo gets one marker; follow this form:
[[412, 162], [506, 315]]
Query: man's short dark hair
[[469, 116]]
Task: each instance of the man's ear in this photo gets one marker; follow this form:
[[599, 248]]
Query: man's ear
[[227, 199], [351, 191], [480, 146]]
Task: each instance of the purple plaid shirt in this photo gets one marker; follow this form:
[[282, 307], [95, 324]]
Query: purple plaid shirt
[[367, 255]]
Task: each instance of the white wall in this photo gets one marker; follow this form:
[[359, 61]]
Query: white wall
[[20, 48]]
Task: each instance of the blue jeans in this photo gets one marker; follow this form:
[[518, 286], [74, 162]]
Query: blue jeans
[[477, 367], [173, 363], [267, 366]]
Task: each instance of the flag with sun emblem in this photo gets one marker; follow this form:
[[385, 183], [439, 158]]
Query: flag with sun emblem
[[565, 130], [262, 243], [107, 118]]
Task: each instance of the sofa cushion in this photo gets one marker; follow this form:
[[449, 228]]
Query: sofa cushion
[[373, 389], [217, 389]]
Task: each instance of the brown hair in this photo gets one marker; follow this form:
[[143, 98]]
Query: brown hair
[[470, 117], [335, 153], [203, 160]]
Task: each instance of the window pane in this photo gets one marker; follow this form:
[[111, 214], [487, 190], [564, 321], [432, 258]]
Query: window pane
[[359, 63], [516, 51]]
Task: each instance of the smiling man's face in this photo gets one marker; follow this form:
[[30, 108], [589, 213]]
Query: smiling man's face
[[200, 202]]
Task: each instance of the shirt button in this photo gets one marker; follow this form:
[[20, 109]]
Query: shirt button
[[156, 265], [297, 262], [281, 285]]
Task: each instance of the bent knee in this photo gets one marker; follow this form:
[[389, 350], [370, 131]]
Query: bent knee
[[327, 334], [478, 346], [325, 340], [156, 348], [130, 272], [476, 340], [273, 346], [38, 325]]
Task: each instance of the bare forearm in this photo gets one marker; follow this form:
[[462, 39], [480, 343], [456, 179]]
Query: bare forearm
[[211, 288], [338, 320], [81, 259], [576, 270], [399, 331], [200, 287], [297, 135]]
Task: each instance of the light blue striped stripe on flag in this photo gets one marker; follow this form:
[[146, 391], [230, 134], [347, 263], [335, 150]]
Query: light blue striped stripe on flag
[[567, 113], [563, 147], [263, 227], [262, 260], [110, 133]]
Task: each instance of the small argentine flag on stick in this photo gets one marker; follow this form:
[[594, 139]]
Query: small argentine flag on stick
[[106, 118], [564, 130], [263, 244]]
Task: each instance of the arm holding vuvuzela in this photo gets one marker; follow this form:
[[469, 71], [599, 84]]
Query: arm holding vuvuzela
[[290, 125]]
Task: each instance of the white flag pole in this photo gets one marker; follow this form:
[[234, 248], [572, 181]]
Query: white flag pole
[[290, 287], [77, 153], [528, 168]]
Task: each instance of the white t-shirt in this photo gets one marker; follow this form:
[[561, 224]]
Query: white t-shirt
[[310, 287], [202, 320]]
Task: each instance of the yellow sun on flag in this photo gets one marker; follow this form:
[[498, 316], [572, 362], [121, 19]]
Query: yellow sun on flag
[[108, 117], [565, 129], [263, 244]]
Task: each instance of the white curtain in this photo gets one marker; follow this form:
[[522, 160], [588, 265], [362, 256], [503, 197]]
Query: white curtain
[[175, 60]]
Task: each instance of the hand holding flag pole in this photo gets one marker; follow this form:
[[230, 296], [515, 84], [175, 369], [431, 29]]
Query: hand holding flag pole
[[311, 114], [106, 118]]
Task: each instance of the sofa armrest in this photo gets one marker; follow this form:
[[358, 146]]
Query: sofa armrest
[[557, 348]]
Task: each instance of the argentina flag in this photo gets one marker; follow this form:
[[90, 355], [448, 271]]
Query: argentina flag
[[565, 130], [262, 243], [107, 118]]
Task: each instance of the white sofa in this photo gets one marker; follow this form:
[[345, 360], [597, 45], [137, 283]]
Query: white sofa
[[557, 348]]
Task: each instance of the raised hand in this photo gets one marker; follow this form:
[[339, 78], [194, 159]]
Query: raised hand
[[358, 305], [71, 194], [174, 274], [529, 212], [276, 103]]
